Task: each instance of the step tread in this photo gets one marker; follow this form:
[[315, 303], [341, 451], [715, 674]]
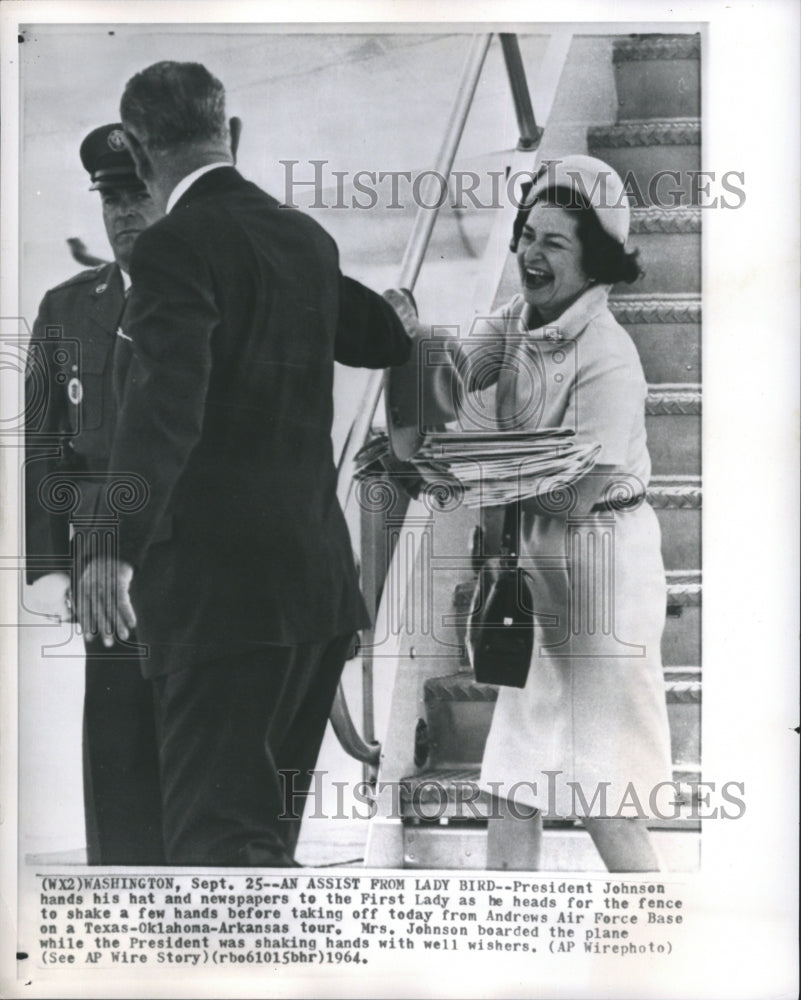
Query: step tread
[[676, 399], [449, 793], [653, 219], [683, 682], [684, 588], [675, 492], [646, 132], [641, 47], [667, 308]]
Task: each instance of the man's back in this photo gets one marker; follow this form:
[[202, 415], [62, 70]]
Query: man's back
[[227, 415]]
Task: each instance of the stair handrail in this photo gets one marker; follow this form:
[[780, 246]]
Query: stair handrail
[[365, 748]]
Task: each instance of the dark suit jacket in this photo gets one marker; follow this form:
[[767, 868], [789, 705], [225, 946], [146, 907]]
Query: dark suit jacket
[[237, 313], [69, 409]]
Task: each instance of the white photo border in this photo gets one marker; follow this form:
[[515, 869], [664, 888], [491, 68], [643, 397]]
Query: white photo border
[[744, 899]]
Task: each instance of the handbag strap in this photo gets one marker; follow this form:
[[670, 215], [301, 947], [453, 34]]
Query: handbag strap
[[510, 533]]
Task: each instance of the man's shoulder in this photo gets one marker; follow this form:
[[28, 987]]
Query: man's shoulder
[[199, 222], [84, 280]]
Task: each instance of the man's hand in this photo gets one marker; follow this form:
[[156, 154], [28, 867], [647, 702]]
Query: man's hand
[[50, 595], [104, 605]]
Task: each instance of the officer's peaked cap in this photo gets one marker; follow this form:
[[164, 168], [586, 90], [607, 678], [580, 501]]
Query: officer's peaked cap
[[107, 160]]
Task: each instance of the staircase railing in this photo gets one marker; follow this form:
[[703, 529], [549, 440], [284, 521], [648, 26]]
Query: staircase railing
[[364, 747]]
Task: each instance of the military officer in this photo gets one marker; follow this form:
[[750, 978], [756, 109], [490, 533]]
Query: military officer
[[69, 429]]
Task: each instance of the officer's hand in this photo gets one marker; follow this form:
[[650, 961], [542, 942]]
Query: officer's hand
[[50, 595], [104, 604]]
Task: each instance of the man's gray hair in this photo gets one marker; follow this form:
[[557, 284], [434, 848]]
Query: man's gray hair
[[172, 103]]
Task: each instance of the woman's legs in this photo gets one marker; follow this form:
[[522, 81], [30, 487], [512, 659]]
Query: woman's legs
[[514, 837], [514, 841], [625, 845]]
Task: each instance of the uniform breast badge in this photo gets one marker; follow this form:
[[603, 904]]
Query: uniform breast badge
[[552, 333], [75, 391]]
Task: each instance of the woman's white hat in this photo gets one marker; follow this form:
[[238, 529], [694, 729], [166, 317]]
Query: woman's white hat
[[596, 182]]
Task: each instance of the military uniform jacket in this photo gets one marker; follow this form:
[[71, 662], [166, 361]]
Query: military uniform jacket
[[237, 312], [69, 410]]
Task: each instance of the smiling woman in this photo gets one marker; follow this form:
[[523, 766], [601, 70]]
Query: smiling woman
[[562, 249], [591, 720]]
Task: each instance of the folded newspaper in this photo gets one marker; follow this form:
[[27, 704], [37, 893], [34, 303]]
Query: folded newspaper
[[491, 469]]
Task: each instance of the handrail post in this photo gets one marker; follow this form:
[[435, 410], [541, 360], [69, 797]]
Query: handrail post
[[365, 749], [426, 217], [530, 132], [415, 252]]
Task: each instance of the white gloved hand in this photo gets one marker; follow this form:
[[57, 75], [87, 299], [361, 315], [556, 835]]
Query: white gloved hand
[[404, 305], [50, 595]]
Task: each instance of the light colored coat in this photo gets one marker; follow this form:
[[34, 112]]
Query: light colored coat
[[593, 709], [592, 718]]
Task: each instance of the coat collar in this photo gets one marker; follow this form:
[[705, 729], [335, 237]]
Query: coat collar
[[217, 181], [186, 182], [573, 320]]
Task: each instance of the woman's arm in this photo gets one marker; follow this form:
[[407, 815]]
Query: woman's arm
[[429, 389], [606, 401]]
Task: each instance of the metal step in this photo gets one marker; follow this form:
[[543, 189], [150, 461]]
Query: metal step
[[667, 332], [641, 151], [681, 640], [458, 714], [452, 794], [658, 76], [682, 685], [463, 846], [683, 694], [669, 245], [673, 425], [677, 502]]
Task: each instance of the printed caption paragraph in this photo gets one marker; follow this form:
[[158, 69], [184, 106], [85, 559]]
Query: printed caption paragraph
[[105, 921]]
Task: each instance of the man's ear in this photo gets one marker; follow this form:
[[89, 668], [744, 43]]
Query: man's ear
[[235, 127], [144, 168]]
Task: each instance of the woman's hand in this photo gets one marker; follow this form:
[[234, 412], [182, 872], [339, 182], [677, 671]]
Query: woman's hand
[[404, 305]]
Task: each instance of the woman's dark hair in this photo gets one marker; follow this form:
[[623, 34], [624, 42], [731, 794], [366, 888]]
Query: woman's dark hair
[[603, 258]]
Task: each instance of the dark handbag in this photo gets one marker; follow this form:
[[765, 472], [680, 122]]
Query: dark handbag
[[500, 623]]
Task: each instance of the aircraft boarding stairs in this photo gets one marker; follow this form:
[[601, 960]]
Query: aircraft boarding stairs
[[417, 568]]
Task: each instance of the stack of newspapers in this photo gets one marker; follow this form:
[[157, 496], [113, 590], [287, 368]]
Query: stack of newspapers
[[491, 469], [494, 469]]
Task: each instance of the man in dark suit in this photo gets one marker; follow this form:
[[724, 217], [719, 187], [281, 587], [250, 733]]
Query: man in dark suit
[[69, 425], [238, 561]]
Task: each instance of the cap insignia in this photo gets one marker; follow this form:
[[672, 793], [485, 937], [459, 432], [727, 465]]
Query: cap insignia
[[116, 140]]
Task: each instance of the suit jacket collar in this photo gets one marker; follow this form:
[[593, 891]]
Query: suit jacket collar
[[221, 180]]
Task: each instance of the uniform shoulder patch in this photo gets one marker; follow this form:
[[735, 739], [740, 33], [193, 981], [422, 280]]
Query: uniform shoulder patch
[[83, 277]]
